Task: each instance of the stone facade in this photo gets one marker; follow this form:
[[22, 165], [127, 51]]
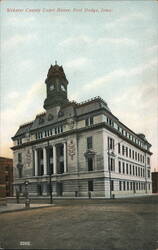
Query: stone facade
[[80, 149]]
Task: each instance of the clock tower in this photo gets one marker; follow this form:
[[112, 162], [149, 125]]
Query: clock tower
[[56, 85]]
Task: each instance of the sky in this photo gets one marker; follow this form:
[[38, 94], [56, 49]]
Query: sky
[[107, 49]]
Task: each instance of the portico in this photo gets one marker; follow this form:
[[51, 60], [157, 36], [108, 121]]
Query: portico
[[50, 159]]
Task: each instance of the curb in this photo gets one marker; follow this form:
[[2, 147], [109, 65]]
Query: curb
[[24, 209]]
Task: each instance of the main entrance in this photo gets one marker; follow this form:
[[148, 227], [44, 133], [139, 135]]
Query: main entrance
[[59, 188]]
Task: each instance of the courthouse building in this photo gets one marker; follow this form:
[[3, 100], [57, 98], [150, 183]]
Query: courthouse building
[[82, 147]]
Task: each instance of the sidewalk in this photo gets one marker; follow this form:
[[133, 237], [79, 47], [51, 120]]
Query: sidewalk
[[10, 207]]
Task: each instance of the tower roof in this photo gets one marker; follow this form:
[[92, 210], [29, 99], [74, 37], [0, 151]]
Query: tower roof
[[55, 70]]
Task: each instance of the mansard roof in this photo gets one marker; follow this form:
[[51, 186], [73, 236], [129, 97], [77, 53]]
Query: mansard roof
[[72, 109], [24, 128], [69, 110], [91, 105]]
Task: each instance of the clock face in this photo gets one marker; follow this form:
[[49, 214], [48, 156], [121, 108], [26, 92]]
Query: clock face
[[51, 87], [63, 88]]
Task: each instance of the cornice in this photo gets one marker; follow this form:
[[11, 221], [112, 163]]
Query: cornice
[[80, 130]]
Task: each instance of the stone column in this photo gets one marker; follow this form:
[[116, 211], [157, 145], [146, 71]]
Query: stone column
[[36, 162], [45, 161], [65, 165], [54, 159]]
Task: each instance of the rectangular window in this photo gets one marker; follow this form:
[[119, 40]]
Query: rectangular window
[[130, 169], [123, 167], [124, 185], [123, 150], [112, 164], [136, 171], [89, 142], [140, 158], [133, 154], [90, 164], [20, 172], [19, 141], [148, 173], [126, 168], [111, 123], [141, 172], [90, 186], [89, 121], [111, 143], [61, 129], [130, 153], [148, 160], [126, 152], [112, 185], [136, 156], [119, 149], [119, 167], [19, 157], [131, 185], [127, 185], [133, 170], [120, 185]]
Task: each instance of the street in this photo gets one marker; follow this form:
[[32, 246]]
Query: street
[[96, 224]]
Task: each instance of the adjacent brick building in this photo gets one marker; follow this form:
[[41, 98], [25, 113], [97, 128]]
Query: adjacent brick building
[[155, 182], [6, 178], [83, 147], [2, 185]]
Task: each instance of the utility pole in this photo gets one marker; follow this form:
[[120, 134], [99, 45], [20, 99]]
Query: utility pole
[[109, 168], [146, 187]]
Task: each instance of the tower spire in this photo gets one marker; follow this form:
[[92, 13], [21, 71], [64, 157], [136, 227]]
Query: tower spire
[[55, 62]]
